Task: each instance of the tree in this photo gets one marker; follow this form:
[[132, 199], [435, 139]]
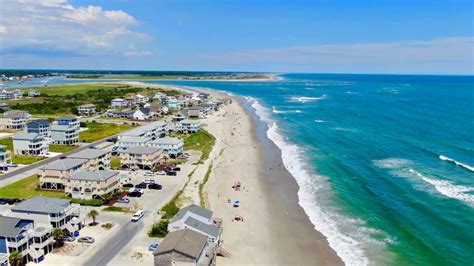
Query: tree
[[57, 235], [15, 258], [93, 214]]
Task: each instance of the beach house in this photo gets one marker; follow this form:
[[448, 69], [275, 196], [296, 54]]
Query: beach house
[[6, 95], [32, 241], [187, 126], [14, 119], [65, 131], [185, 247], [86, 109], [141, 99], [97, 159], [125, 143], [4, 106], [33, 93], [32, 144], [140, 157], [160, 97], [5, 155], [118, 102], [40, 126], [172, 147], [53, 212], [157, 109], [89, 184], [17, 94], [51, 175], [151, 130], [142, 114]]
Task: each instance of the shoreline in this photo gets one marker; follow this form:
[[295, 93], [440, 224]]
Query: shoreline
[[276, 229]]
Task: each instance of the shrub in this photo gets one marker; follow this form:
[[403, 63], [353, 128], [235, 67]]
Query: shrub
[[159, 230]]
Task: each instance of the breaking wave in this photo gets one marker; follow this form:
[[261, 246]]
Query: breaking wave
[[465, 166], [304, 99]]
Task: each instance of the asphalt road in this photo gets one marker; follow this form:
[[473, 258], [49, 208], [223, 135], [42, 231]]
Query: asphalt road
[[115, 244]]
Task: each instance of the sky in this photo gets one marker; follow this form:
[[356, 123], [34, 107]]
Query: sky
[[319, 36]]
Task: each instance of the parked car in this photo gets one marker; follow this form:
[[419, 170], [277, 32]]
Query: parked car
[[128, 185], [177, 169], [149, 174], [134, 194], [141, 185], [86, 239], [3, 201], [153, 247], [148, 181], [68, 238], [154, 186], [12, 165], [12, 201], [138, 215], [123, 200], [171, 173], [114, 139], [161, 173], [3, 168]]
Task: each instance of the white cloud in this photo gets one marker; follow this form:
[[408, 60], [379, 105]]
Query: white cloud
[[138, 53], [55, 27]]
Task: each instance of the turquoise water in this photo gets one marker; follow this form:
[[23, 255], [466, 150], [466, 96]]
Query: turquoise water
[[366, 150], [384, 162]]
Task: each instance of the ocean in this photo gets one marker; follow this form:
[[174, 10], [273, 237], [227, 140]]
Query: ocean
[[385, 163]]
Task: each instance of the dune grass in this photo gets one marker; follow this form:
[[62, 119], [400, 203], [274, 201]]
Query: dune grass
[[62, 148]]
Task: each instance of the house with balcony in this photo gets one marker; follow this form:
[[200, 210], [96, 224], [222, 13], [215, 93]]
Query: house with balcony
[[51, 212], [172, 147], [97, 159], [51, 175], [125, 143], [65, 131], [118, 102], [31, 240], [141, 99], [6, 95], [140, 157], [152, 130], [157, 109], [174, 104], [86, 109], [188, 126], [40, 126], [91, 184], [17, 94], [33, 93], [142, 114], [5, 155], [14, 119], [32, 144]]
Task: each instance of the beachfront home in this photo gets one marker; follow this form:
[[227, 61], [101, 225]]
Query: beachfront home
[[32, 241], [52, 174], [33, 93], [142, 114], [40, 126], [32, 144], [86, 109], [140, 157], [90, 184], [14, 119], [118, 102], [185, 247], [5, 155], [65, 131], [97, 159], [125, 143], [172, 147], [187, 126], [194, 211], [53, 212]]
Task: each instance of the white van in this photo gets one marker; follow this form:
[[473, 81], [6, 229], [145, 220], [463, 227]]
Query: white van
[[138, 215]]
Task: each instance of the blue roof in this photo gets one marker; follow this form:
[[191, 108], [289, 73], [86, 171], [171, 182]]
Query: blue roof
[[41, 122]]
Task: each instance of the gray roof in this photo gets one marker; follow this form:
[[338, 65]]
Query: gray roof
[[198, 210], [209, 229], [62, 128], [141, 150], [186, 241], [189, 121], [25, 136], [9, 226], [91, 175], [40, 204], [167, 141], [64, 164], [15, 114], [134, 140], [88, 154], [87, 105]]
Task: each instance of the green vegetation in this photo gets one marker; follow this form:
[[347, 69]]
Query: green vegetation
[[93, 214], [8, 142], [159, 229], [115, 209], [62, 148], [27, 188], [97, 131], [107, 226], [19, 159], [115, 162], [64, 99], [87, 202], [202, 202], [202, 141], [171, 209]]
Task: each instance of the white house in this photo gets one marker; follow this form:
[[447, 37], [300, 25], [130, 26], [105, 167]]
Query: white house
[[86, 109], [142, 114], [33, 93], [172, 147], [125, 143], [29, 144], [118, 102], [188, 126], [140, 99]]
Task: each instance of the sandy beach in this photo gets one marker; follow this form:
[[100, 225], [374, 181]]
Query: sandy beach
[[275, 229]]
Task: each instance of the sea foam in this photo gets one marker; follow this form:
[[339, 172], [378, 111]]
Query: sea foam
[[325, 219], [304, 99], [465, 166]]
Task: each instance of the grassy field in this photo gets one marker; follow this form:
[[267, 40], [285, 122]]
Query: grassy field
[[202, 141], [115, 162], [64, 99], [97, 131], [27, 188], [62, 148], [115, 209], [19, 159]]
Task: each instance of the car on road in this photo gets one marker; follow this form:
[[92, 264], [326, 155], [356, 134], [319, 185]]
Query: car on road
[[161, 173], [68, 238], [114, 139], [123, 200], [149, 174], [141, 185], [138, 215], [171, 173], [154, 186], [127, 185], [134, 194], [177, 169], [86, 239], [153, 247]]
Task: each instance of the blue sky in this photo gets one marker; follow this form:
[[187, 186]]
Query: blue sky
[[428, 37]]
